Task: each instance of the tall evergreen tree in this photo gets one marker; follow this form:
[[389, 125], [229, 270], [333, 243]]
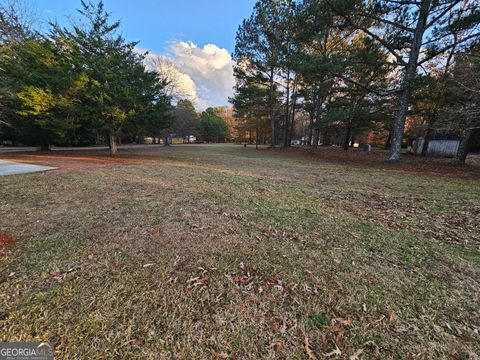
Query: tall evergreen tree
[[44, 88], [119, 89], [16, 21], [186, 119], [258, 49], [358, 106], [212, 127], [321, 47], [250, 104]]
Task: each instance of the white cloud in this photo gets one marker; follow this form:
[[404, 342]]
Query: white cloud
[[204, 73]]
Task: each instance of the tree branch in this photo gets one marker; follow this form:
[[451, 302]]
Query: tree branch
[[448, 47], [442, 14], [405, 2], [356, 83], [5, 123], [371, 34], [385, 21]]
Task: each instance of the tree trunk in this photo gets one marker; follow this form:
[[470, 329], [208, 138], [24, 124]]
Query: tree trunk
[[346, 140], [463, 149], [256, 134], [389, 140], [45, 146], [310, 136], [272, 115], [44, 141], [410, 73], [318, 109], [107, 136], [426, 140], [287, 111], [316, 136], [294, 104], [113, 145], [399, 124]]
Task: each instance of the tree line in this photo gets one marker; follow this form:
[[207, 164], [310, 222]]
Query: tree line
[[356, 65], [209, 125], [87, 84], [77, 84]]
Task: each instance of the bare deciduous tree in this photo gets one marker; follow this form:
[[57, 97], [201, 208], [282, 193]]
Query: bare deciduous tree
[[16, 20], [180, 86]]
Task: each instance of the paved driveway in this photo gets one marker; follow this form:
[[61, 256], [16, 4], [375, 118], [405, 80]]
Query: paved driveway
[[11, 168]]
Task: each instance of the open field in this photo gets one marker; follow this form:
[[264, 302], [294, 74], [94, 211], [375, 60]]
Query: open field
[[195, 252]]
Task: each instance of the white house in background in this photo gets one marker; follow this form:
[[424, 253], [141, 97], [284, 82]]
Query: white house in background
[[191, 139]]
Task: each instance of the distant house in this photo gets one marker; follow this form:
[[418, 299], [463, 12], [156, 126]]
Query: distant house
[[175, 139], [191, 139]]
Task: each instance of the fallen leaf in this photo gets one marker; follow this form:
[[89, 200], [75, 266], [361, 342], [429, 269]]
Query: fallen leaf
[[221, 355], [335, 329], [335, 352], [308, 349], [278, 346], [347, 322], [391, 316], [356, 355]]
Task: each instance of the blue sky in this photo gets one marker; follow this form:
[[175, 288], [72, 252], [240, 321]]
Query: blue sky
[[155, 23], [197, 38]]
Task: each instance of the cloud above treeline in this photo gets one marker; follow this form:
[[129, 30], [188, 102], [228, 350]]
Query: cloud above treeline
[[203, 74]]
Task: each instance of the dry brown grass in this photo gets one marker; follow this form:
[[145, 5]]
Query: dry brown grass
[[224, 252]]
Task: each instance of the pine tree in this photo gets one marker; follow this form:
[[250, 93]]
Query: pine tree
[[259, 44], [250, 104]]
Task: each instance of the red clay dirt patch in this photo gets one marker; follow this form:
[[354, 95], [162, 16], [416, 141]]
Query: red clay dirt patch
[[419, 165], [73, 162], [6, 239]]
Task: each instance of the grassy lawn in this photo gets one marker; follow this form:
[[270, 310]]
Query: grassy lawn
[[196, 252]]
